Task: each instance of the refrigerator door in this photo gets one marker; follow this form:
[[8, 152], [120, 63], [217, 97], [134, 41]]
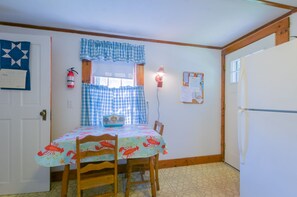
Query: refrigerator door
[[269, 168], [268, 79]]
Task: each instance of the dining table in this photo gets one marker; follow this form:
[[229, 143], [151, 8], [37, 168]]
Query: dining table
[[134, 141]]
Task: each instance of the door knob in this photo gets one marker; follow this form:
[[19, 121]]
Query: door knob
[[43, 114]]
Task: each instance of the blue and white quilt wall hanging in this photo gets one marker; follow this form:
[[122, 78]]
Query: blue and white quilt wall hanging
[[14, 65]]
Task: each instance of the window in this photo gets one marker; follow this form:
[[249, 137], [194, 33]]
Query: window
[[112, 82], [104, 99], [101, 98], [234, 71], [113, 74]]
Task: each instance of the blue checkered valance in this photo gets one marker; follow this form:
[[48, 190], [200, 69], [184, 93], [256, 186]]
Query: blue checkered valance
[[111, 51], [98, 101]]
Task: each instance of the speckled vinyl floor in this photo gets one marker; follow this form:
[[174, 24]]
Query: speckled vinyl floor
[[204, 180]]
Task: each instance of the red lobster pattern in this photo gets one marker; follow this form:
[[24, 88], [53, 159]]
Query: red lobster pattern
[[71, 152], [151, 142], [51, 149], [128, 152], [104, 144]]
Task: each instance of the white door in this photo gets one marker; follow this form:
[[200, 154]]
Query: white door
[[231, 137], [22, 130]]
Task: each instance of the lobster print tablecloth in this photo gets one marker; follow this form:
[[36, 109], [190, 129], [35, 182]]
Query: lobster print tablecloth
[[135, 141]]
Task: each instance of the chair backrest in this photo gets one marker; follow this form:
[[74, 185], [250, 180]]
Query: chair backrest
[[159, 127], [110, 146], [103, 145]]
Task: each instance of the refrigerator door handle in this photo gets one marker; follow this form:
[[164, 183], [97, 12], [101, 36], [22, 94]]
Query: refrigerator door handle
[[242, 134], [242, 87]]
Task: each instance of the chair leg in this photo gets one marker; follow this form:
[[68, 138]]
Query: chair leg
[[116, 186], [157, 174], [79, 193], [152, 176], [142, 172], [129, 169]]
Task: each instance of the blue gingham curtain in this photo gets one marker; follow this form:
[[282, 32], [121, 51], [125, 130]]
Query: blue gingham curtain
[[111, 51], [98, 101]]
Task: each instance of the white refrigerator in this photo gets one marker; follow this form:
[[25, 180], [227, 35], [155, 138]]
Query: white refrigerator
[[267, 122]]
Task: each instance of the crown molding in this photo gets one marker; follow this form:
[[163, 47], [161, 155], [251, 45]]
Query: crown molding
[[106, 35], [274, 4]]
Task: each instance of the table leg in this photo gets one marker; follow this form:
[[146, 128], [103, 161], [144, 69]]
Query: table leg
[[152, 176], [65, 181]]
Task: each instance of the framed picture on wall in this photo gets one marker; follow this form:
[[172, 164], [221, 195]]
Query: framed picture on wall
[[192, 90]]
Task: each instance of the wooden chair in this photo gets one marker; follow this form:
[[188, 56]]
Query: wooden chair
[[142, 164], [91, 175]]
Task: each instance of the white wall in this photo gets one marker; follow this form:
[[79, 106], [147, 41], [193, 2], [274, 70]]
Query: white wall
[[190, 129]]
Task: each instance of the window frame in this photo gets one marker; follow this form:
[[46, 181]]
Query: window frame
[[87, 73], [234, 71]]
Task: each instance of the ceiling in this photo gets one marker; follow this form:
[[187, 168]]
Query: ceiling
[[202, 22]]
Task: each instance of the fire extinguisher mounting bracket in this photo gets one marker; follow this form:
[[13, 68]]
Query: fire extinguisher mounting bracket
[[72, 69]]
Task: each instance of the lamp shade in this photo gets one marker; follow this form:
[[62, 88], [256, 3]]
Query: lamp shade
[[161, 71]]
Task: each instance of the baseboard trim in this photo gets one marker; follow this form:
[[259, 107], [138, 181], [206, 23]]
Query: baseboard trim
[[57, 175], [189, 161]]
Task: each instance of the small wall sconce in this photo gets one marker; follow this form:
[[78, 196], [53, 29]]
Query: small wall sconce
[[159, 77]]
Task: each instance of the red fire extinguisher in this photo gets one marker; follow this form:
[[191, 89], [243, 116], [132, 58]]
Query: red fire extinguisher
[[70, 77]]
